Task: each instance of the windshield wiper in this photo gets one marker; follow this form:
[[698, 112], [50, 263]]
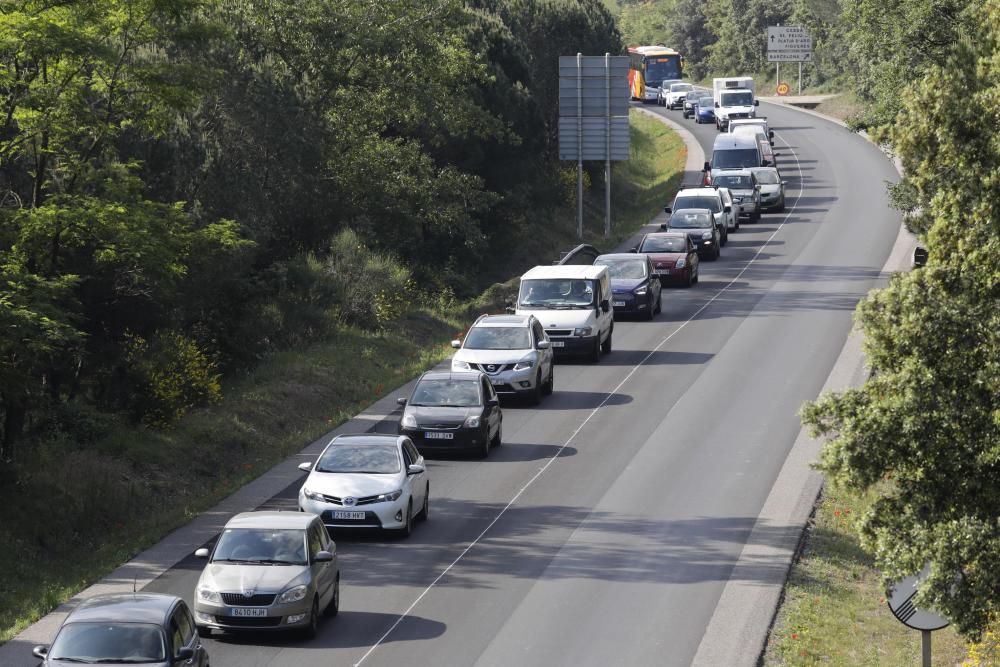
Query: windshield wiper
[[535, 304], [275, 561], [80, 660], [124, 661]]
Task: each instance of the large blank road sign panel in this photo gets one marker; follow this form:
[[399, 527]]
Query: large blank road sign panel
[[593, 66], [594, 138], [594, 97]]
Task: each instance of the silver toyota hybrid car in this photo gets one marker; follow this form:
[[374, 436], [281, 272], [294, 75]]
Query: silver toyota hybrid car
[[512, 350], [268, 571]]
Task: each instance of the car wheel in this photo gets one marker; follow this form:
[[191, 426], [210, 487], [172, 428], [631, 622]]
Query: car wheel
[[756, 215], [535, 397], [595, 354], [606, 345], [426, 509], [311, 630], [333, 606], [718, 253], [551, 382], [690, 278], [697, 276], [659, 302]]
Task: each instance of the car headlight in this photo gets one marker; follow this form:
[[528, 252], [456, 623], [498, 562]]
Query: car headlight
[[681, 263], [312, 495], [209, 595], [408, 421], [389, 497], [706, 235], [640, 291], [458, 365], [472, 422], [582, 331], [523, 365], [293, 594]]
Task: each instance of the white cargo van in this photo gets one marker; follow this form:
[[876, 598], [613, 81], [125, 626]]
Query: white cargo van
[[573, 304], [734, 98], [735, 151]]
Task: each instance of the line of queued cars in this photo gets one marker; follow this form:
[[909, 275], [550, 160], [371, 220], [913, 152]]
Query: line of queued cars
[[279, 570]]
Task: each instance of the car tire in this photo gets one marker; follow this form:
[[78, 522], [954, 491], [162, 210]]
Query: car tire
[[426, 508], [549, 385], [333, 606], [606, 345], [723, 238], [736, 227], [659, 302], [756, 215], [697, 276], [535, 397], [311, 630], [718, 253], [690, 278], [595, 354]]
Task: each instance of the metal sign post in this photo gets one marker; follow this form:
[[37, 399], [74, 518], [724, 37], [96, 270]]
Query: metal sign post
[[899, 597], [593, 119]]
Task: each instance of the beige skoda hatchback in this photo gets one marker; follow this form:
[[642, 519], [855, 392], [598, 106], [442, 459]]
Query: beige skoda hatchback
[[268, 571]]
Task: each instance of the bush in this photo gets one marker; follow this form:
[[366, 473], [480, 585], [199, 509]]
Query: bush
[[373, 288]]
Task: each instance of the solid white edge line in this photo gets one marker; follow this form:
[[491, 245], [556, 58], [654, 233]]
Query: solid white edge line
[[593, 412]]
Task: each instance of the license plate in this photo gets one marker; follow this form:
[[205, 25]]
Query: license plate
[[437, 435], [496, 382], [348, 515], [618, 303], [558, 343], [249, 611]]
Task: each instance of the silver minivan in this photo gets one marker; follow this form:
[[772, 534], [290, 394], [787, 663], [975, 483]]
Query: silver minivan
[[735, 151], [268, 571]]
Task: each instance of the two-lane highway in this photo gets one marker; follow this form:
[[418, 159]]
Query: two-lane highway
[[605, 528]]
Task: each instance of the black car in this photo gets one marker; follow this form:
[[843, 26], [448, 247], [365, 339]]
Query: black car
[[450, 412], [635, 287], [139, 628], [699, 225], [691, 101]]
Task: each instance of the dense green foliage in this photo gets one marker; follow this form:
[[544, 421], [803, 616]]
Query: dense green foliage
[[925, 429], [184, 183]]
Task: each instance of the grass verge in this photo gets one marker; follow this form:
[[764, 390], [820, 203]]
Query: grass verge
[[78, 509], [834, 610]]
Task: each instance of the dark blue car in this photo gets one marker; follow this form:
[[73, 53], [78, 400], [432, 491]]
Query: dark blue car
[[635, 287], [704, 112]]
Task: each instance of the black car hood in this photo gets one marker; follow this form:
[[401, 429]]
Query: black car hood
[[442, 416]]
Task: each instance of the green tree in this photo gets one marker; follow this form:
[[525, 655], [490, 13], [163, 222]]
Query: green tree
[[923, 433]]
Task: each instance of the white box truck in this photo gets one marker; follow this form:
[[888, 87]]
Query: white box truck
[[734, 98]]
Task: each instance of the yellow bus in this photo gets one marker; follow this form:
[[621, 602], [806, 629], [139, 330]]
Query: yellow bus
[[648, 66]]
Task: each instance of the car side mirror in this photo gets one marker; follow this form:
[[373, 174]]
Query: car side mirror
[[544, 344], [40, 652], [707, 167], [400, 401], [323, 557], [184, 653], [414, 469], [664, 225], [727, 208], [605, 306], [306, 466], [764, 163], [772, 143], [667, 209], [201, 553], [756, 103], [716, 105], [456, 343], [770, 134]]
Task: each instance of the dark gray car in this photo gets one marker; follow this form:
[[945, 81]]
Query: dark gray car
[[127, 628]]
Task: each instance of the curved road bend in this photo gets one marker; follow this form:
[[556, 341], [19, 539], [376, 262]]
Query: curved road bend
[[636, 484]]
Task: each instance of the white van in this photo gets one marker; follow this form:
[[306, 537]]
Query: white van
[[735, 151], [766, 145], [573, 304]]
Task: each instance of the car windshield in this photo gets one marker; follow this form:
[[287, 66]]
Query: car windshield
[[713, 204], [112, 642], [497, 338], [767, 177], [733, 181], [690, 220], [557, 293], [735, 158], [680, 87], [259, 546], [369, 458], [664, 244], [447, 393], [632, 268], [742, 99]]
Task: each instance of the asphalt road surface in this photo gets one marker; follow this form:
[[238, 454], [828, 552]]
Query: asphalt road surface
[[604, 530]]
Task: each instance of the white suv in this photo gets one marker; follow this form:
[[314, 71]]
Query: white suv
[[512, 350], [674, 98]]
